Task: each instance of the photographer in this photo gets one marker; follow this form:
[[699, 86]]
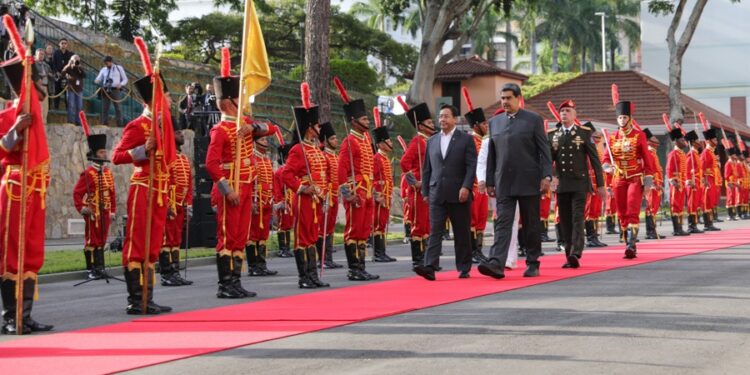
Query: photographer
[[111, 79], [74, 74], [60, 60]]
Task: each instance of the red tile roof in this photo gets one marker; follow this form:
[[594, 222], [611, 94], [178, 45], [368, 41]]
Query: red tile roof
[[592, 94], [471, 67]]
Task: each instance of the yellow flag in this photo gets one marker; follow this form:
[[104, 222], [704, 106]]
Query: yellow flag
[[256, 74]]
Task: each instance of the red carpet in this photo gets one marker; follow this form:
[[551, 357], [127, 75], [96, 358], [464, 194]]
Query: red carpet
[[149, 341]]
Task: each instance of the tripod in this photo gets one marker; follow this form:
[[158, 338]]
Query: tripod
[[103, 275]]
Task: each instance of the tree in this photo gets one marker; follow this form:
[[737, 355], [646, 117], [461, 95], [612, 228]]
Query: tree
[[677, 46], [356, 75], [201, 38], [317, 69]]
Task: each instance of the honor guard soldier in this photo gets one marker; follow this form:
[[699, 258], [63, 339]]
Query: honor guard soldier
[[262, 210], [572, 151], [406, 205], [745, 192], [283, 198], [677, 175], [383, 191], [355, 178], [233, 182], [13, 124], [179, 214], [94, 199], [731, 178], [135, 147], [330, 143], [653, 199], [711, 175], [635, 169], [480, 206], [595, 202], [411, 168], [307, 173], [694, 182]]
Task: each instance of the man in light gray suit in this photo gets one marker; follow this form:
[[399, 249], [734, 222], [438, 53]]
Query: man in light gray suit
[[448, 171], [519, 159]]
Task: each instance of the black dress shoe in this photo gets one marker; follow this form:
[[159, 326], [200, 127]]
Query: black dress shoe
[[492, 269], [573, 261], [356, 275], [532, 270], [425, 271], [566, 265], [464, 275]]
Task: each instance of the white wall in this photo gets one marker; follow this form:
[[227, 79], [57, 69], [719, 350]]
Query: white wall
[[715, 66]]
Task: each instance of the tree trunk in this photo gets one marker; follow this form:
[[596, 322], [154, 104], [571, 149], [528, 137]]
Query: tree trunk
[[533, 48], [317, 69], [612, 65], [555, 66], [508, 46], [583, 60]]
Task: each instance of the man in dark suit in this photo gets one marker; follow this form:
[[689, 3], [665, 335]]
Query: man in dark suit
[[572, 151], [519, 159], [448, 174]]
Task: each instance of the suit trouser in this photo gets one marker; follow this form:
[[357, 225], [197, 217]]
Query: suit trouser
[[460, 216], [571, 208], [506, 210]]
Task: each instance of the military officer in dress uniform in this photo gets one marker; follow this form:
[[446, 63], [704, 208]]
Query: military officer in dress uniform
[[256, 250], [712, 178], [94, 199], [677, 175], [330, 143], [383, 193], [572, 152], [694, 182], [180, 212]]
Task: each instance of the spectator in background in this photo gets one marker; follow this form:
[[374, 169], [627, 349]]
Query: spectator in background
[[189, 103], [60, 60], [111, 79], [4, 37], [49, 58], [44, 71], [74, 75], [23, 17]]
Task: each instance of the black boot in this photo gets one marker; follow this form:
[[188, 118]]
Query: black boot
[[559, 241], [300, 258], [730, 212], [133, 281], [283, 245], [522, 243], [29, 289], [417, 253], [352, 262], [165, 269], [591, 240], [693, 224], [631, 235], [378, 252], [708, 225], [545, 231], [100, 267], [152, 279], [651, 228], [263, 254], [477, 239], [176, 268], [312, 268], [361, 258], [251, 254], [226, 284], [237, 263], [611, 229], [677, 227], [8, 291], [89, 256], [329, 263], [715, 217], [407, 233]]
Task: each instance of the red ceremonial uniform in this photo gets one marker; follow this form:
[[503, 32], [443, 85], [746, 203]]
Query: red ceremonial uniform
[[180, 197], [130, 150], [232, 222], [96, 191], [263, 196], [10, 208], [731, 177], [406, 200], [545, 206], [694, 173], [712, 178], [412, 162], [356, 149], [610, 201], [677, 171], [594, 201], [745, 191], [633, 163], [653, 200], [480, 206], [307, 209], [333, 208], [283, 194], [384, 188]]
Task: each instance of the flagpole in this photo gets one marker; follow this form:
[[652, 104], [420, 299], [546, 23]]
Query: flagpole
[[241, 103]]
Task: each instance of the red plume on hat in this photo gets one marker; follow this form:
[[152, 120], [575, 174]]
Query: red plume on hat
[[740, 143], [465, 92], [615, 94], [305, 92], [376, 116], [342, 90], [15, 37], [401, 101], [401, 142], [84, 123], [703, 121], [279, 138], [226, 70], [521, 103], [665, 118], [553, 110], [145, 58]]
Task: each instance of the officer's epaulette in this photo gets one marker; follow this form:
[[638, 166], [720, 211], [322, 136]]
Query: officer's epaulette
[[586, 126], [557, 126], [551, 130]]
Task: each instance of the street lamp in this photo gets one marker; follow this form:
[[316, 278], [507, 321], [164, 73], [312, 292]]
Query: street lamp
[[604, 49]]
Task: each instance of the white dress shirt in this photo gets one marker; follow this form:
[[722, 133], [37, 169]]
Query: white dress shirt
[[117, 75], [482, 160], [445, 140]]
